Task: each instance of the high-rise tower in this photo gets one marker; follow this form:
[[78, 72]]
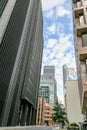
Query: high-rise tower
[[80, 38], [21, 45], [48, 86]]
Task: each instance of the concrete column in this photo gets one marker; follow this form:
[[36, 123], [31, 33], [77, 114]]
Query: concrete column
[[85, 14], [28, 116], [24, 115], [33, 117], [30, 121]]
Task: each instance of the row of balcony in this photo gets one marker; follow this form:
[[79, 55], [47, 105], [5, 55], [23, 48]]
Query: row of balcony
[[81, 30], [80, 18], [79, 3]]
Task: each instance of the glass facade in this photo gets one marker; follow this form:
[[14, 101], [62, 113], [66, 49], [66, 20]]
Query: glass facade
[[48, 87]]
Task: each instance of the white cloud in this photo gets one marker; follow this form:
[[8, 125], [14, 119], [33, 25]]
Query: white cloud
[[49, 4], [52, 29], [58, 43], [49, 13], [56, 52], [55, 28], [51, 43], [61, 11], [61, 98]]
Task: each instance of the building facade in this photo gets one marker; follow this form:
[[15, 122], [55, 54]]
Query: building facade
[[21, 45], [48, 112], [71, 96], [44, 113], [48, 87], [40, 111], [72, 101], [80, 38]]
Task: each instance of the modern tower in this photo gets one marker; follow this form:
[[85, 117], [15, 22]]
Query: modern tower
[[21, 46], [48, 86], [80, 40]]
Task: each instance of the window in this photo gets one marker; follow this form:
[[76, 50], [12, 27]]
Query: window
[[81, 19], [46, 116], [84, 2], [84, 40], [46, 108], [79, 4], [46, 112]]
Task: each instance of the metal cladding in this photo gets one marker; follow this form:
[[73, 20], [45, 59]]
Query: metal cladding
[[2, 6], [20, 63]]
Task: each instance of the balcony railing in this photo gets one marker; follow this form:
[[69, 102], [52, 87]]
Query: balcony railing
[[83, 53], [81, 29], [78, 4], [84, 98]]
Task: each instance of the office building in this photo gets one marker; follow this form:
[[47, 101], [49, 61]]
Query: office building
[[71, 96], [80, 40], [48, 86], [21, 45]]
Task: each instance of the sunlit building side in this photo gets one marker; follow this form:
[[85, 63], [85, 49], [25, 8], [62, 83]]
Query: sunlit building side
[[40, 111], [71, 95], [80, 43]]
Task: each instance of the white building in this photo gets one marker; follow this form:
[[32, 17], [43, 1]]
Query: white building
[[71, 96], [73, 108]]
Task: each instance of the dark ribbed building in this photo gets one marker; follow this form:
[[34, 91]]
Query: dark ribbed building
[[21, 46]]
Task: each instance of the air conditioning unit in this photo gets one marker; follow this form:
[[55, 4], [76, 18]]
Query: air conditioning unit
[[84, 2], [81, 20], [79, 4], [84, 40]]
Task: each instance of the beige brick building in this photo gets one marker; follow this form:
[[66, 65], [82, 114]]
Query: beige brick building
[[80, 38], [40, 111], [44, 113], [48, 111]]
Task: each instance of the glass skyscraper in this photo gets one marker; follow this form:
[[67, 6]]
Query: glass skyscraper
[[48, 86]]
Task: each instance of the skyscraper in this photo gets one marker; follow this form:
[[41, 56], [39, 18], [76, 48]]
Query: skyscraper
[[48, 86], [21, 46], [80, 40]]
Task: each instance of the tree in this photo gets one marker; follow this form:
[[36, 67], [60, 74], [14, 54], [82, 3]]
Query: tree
[[59, 114]]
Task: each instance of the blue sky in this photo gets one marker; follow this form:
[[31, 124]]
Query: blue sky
[[58, 38]]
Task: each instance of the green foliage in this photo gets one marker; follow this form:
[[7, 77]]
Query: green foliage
[[73, 125], [59, 114]]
